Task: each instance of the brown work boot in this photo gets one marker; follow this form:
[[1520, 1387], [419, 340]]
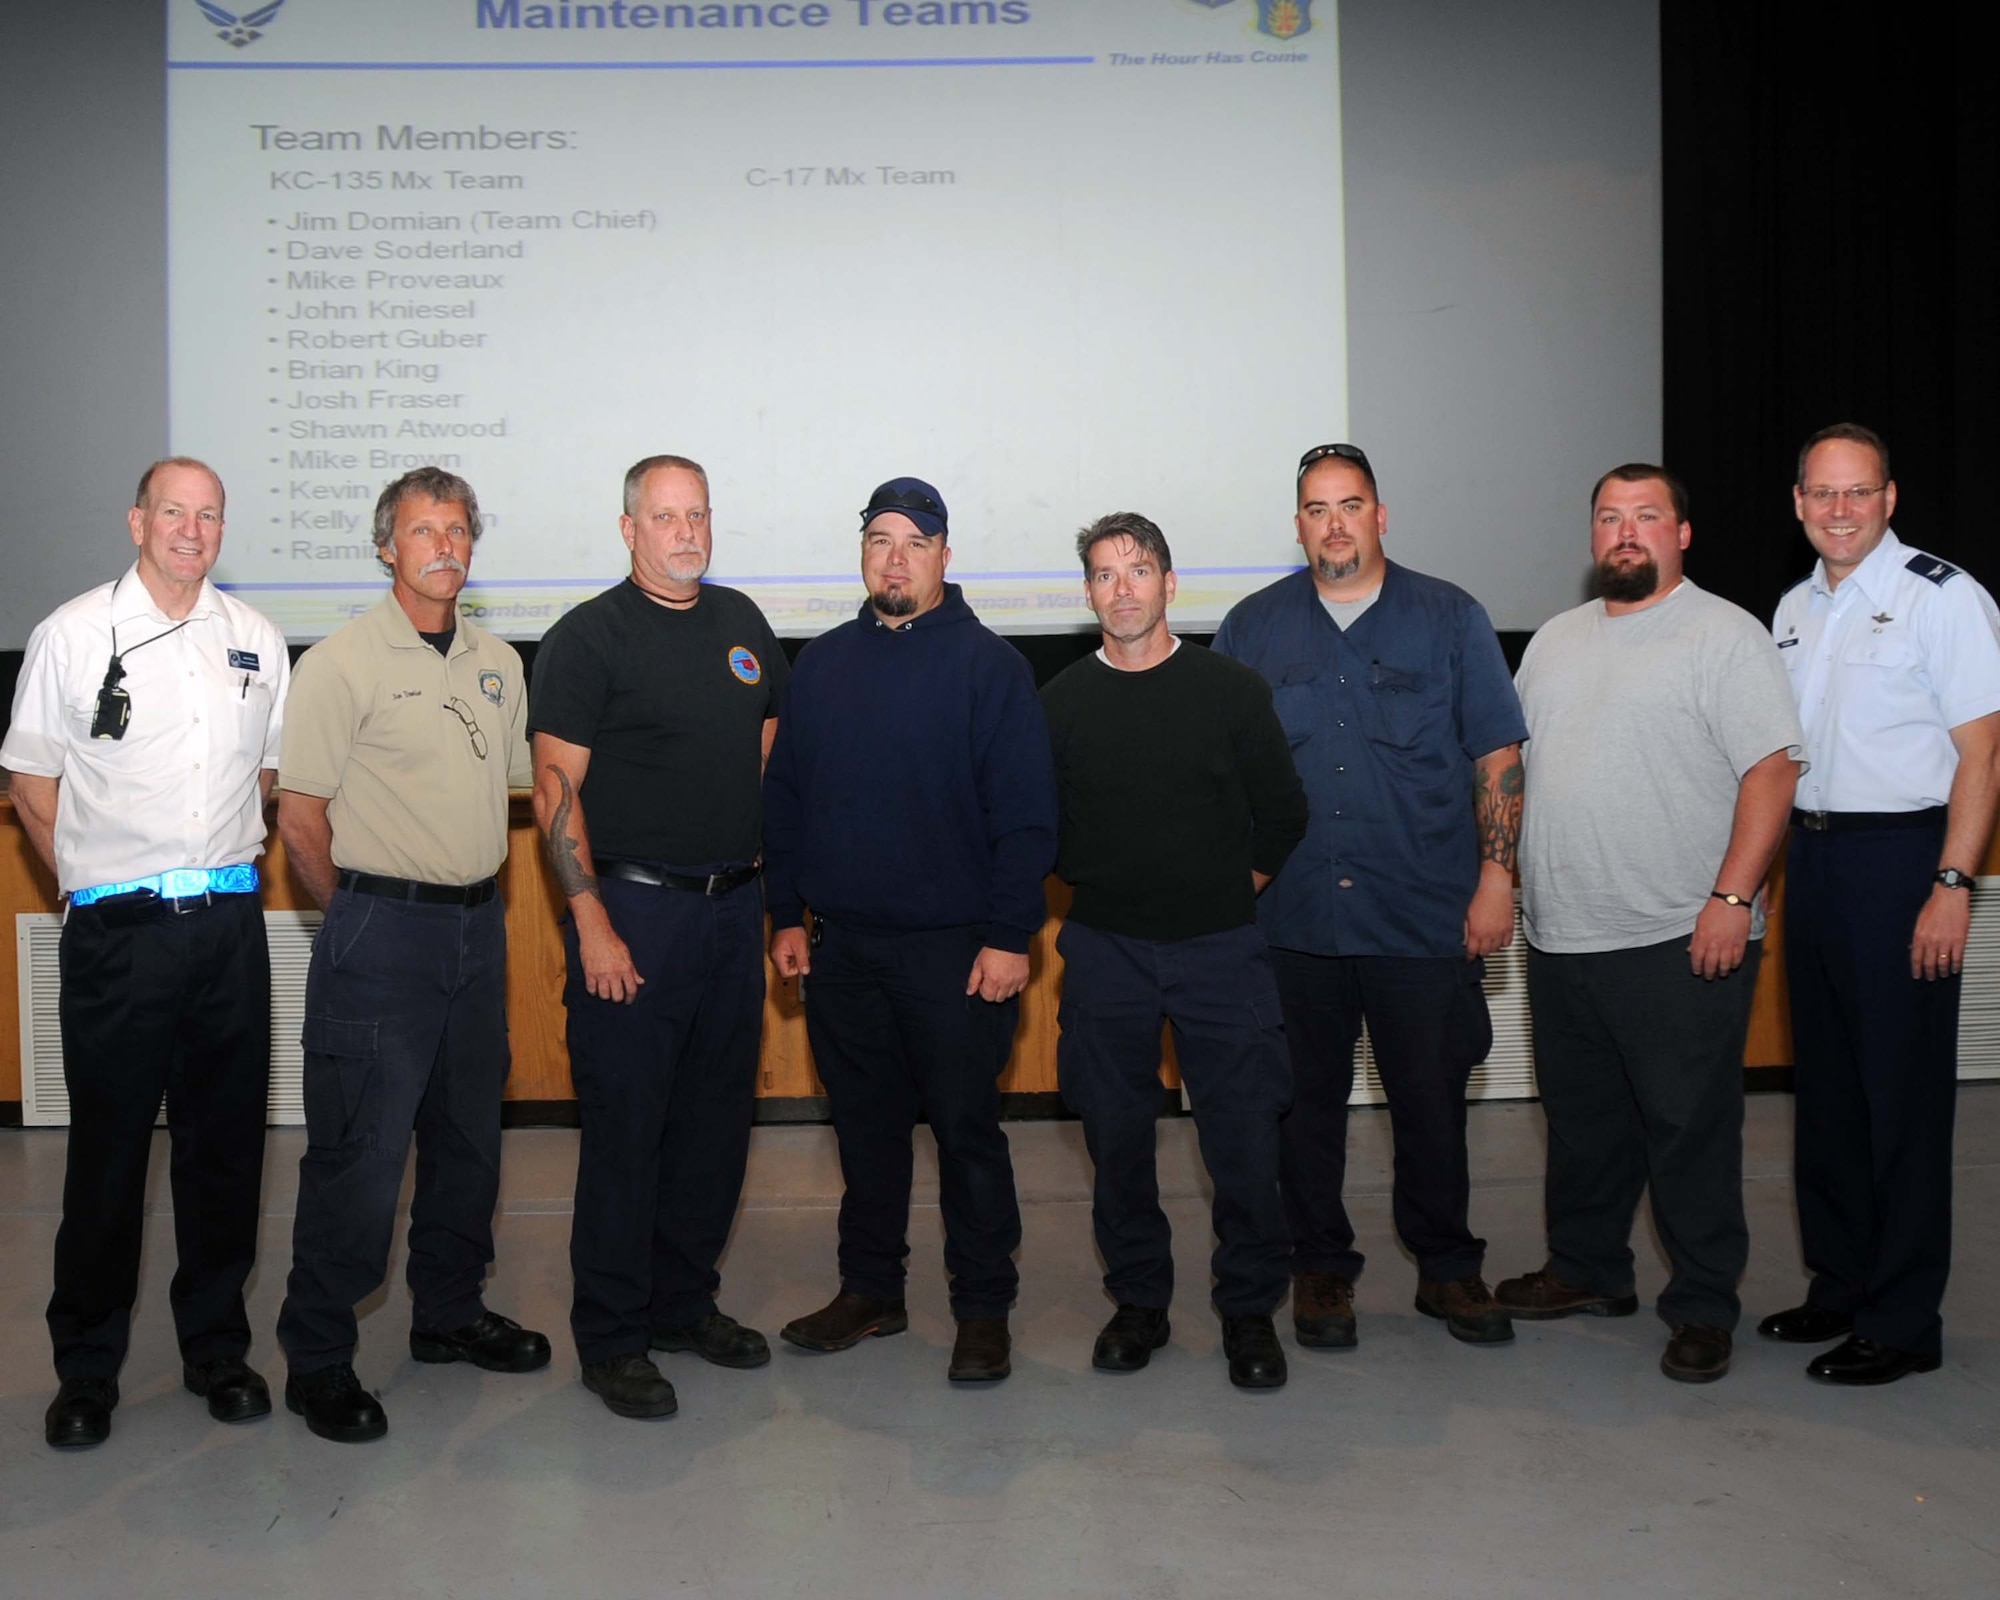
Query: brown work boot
[[1539, 1296], [1323, 1311], [845, 1321], [1465, 1306], [1697, 1353], [980, 1353]]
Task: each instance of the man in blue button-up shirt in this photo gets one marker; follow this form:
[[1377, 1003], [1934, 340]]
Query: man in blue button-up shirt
[[1406, 731]]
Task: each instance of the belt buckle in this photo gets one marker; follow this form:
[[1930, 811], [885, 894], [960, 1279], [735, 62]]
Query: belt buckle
[[718, 883], [1814, 821]]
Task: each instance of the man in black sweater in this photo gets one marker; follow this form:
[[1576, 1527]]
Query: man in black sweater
[[1179, 804]]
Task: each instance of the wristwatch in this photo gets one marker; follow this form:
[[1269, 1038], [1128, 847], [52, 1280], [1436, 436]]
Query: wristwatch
[[1730, 899], [1952, 878]]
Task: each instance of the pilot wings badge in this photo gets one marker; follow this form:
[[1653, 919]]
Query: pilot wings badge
[[236, 30]]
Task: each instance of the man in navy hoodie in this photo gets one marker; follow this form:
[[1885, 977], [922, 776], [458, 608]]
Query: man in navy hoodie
[[910, 802]]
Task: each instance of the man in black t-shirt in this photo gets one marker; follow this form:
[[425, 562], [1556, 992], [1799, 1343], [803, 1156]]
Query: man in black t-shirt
[[1179, 804], [653, 708]]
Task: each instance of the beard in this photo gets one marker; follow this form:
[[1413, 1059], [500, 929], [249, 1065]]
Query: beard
[[894, 603], [1624, 584], [685, 566], [1333, 571]]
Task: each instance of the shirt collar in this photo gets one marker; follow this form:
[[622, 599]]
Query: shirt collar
[[132, 601], [1873, 574]]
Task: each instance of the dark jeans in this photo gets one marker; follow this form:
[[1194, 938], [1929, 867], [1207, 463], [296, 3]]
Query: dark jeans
[[1876, 1079], [405, 1028], [896, 1038], [1218, 993], [153, 1003], [1427, 1019], [664, 1087], [1641, 1070]]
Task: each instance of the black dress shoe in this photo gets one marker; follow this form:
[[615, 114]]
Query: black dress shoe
[[981, 1352], [631, 1386], [1697, 1353], [1130, 1338], [494, 1343], [845, 1321], [1862, 1362], [1256, 1359], [335, 1405], [717, 1338], [1807, 1324], [80, 1414], [234, 1392]]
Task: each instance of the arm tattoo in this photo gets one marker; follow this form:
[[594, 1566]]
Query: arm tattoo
[[1496, 812], [562, 846]]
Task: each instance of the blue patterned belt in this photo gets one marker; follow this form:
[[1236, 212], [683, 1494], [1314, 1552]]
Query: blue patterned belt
[[182, 883]]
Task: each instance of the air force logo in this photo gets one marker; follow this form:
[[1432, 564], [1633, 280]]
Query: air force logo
[[490, 685], [236, 30], [1284, 19]]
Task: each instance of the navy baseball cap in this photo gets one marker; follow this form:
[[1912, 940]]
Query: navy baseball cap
[[916, 499]]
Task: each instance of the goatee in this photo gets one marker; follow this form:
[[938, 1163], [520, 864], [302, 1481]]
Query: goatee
[[1333, 571], [894, 603]]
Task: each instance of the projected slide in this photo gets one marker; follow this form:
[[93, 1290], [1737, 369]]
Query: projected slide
[[1061, 257]]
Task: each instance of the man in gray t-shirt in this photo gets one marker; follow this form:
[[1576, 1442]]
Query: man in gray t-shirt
[[1664, 750]]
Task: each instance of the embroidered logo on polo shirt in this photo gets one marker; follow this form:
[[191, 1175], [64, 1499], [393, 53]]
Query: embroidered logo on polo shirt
[[745, 665], [489, 685]]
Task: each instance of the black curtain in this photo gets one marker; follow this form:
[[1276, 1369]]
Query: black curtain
[[1830, 178]]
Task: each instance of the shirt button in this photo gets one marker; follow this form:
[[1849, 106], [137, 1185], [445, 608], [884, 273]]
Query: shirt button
[[1347, 883], [1340, 769]]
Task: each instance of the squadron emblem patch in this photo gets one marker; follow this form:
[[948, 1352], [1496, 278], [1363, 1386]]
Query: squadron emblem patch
[[490, 685], [745, 665]]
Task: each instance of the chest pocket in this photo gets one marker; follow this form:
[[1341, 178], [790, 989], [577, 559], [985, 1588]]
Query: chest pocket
[[1404, 708], [1292, 696], [1867, 648]]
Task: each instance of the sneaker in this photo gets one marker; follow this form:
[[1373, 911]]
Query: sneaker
[[1466, 1307]]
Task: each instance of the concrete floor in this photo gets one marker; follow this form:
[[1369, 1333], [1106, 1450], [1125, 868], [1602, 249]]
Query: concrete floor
[[1413, 1466]]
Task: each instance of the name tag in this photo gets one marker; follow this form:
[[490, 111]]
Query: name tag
[[1786, 644], [243, 661]]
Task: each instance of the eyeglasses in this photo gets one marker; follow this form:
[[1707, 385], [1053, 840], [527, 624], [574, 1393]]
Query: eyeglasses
[[1346, 452], [1862, 494], [903, 500], [459, 709]]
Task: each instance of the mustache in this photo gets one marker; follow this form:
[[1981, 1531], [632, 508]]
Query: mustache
[[444, 564]]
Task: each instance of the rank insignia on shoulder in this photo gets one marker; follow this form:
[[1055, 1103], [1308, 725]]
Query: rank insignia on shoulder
[[1930, 567]]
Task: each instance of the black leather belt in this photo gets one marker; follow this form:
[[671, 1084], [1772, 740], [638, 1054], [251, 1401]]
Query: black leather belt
[[1868, 821], [716, 883], [428, 894]]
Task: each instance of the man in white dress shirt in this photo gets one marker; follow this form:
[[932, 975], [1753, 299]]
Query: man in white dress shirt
[[1894, 657], [143, 746]]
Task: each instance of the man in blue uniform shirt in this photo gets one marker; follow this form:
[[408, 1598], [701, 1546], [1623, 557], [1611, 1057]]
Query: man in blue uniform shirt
[[1406, 731], [1894, 658], [910, 802]]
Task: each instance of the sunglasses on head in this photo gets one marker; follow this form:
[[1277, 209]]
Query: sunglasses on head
[[1345, 452]]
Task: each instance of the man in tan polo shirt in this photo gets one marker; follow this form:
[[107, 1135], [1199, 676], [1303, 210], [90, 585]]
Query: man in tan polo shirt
[[410, 728]]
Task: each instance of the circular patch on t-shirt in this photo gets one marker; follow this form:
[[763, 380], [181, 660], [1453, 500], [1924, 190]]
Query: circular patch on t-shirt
[[745, 665]]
